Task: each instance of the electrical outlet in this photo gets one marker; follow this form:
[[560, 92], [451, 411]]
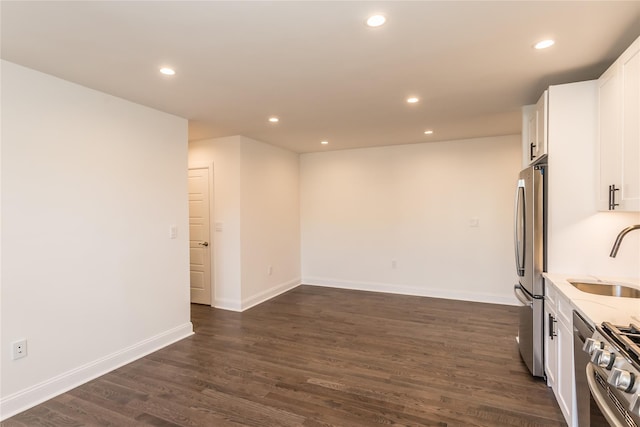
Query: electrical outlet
[[19, 349], [394, 263], [269, 270]]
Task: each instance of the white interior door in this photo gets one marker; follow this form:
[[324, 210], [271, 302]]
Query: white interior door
[[199, 243]]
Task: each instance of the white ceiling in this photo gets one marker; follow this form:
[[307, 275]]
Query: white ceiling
[[318, 67]]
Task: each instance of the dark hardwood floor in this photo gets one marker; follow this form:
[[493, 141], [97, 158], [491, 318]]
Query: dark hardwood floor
[[323, 357]]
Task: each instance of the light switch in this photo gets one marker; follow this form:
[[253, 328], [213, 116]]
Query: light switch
[[219, 226], [474, 222], [173, 232]]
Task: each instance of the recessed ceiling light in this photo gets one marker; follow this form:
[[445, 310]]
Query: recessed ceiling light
[[376, 20], [167, 71], [324, 142], [274, 119], [412, 100], [428, 132], [544, 44]]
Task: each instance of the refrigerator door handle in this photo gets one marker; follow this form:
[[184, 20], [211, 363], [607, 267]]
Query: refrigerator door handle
[[522, 296], [519, 228]]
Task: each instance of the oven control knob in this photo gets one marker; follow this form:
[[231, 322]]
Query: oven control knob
[[622, 380], [635, 404], [603, 358], [590, 345]]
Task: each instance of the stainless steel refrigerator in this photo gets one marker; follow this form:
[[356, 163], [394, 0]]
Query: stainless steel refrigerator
[[530, 254]]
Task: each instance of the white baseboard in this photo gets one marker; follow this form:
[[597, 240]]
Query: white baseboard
[[410, 290], [259, 298], [31, 396], [263, 296], [228, 304]]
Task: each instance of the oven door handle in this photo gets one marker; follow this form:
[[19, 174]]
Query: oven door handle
[[600, 400]]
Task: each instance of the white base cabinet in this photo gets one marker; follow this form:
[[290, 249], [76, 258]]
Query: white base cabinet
[[551, 341], [559, 351]]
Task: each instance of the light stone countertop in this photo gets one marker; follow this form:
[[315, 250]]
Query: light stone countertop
[[599, 308]]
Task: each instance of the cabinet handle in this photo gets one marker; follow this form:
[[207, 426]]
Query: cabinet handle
[[552, 326], [612, 197], [531, 147]]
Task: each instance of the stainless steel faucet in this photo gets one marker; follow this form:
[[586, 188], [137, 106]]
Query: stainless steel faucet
[[616, 244]]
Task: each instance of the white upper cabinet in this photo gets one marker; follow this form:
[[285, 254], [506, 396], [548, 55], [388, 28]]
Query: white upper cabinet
[[529, 129], [535, 131], [542, 114], [618, 148]]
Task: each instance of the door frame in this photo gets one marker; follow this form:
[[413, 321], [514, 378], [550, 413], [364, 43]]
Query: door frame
[[212, 240]]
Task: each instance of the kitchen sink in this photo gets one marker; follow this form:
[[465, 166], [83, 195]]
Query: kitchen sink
[[608, 289]]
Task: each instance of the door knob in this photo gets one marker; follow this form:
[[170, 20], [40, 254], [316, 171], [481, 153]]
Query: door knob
[[204, 243]]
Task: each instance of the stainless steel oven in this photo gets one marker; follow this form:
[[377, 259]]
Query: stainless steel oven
[[613, 373], [588, 412]]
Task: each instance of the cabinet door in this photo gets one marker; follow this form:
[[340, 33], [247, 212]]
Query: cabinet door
[[559, 350], [532, 140], [541, 148], [550, 344], [609, 143], [629, 73], [618, 151], [564, 392], [529, 128]]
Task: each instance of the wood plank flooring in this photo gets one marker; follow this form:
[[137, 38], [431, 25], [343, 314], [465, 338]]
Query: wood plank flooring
[[323, 357]]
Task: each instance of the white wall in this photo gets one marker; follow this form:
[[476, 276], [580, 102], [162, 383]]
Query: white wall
[[270, 221], [90, 186], [363, 209], [256, 200], [580, 238]]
